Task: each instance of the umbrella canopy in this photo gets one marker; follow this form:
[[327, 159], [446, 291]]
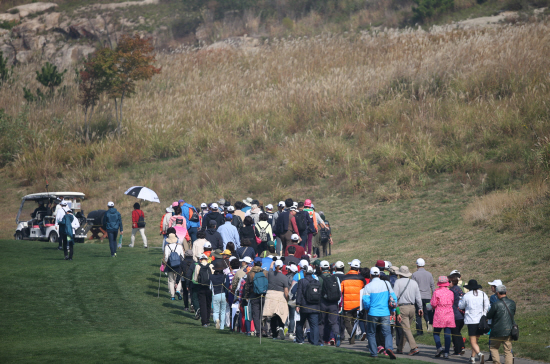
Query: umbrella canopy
[[143, 193]]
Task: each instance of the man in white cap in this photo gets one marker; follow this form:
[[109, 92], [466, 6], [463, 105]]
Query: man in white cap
[[352, 284], [426, 285], [307, 305], [376, 296], [330, 300], [494, 284], [112, 223], [299, 251], [59, 215], [215, 215]]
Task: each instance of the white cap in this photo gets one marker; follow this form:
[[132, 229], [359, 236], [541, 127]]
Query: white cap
[[269, 207], [496, 282], [356, 263], [420, 262], [279, 263], [246, 259], [339, 264], [312, 206], [203, 256], [293, 208], [387, 264], [303, 263], [230, 209], [281, 203], [324, 264], [295, 204], [375, 271], [214, 206], [168, 209], [294, 237], [109, 204], [207, 245], [204, 205], [292, 268], [455, 272], [231, 258], [310, 269]]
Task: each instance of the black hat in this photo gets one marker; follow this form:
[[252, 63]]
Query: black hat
[[472, 285]]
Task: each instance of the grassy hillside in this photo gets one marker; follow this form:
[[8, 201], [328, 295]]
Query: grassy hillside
[[97, 308]]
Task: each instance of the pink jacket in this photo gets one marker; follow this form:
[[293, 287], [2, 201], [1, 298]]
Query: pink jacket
[[442, 303], [181, 229]]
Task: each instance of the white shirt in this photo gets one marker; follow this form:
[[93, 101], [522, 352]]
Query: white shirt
[[473, 306], [169, 248], [59, 213], [75, 224]]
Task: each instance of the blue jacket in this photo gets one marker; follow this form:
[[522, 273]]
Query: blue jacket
[[185, 212], [266, 263], [246, 208], [229, 233], [112, 221], [376, 297], [66, 225]]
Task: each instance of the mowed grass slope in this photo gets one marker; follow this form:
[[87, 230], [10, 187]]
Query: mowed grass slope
[[102, 309]]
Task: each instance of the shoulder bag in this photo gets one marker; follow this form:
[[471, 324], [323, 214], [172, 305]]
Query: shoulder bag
[[483, 325], [515, 329]]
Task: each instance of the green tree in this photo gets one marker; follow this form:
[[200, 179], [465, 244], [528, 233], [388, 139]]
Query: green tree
[[427, 9], [50, 77]]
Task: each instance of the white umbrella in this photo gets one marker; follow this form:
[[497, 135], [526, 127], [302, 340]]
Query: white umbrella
[[143, 193]]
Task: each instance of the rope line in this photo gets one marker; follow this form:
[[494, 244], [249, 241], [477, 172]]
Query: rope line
[[326, 312]]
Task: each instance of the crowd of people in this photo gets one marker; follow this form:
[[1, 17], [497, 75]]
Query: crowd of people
[[264, 273]]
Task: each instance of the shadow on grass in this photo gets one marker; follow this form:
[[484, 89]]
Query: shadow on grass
[[127, 351], [154, 294]]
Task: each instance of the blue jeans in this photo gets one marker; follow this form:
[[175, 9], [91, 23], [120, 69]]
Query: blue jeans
[[437, 339], [193, 233], [384, 322], [218, 301], [112, 240], [313, 319]]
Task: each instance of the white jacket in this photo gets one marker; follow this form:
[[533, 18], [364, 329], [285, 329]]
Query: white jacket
[[169, 248], [474, 306]]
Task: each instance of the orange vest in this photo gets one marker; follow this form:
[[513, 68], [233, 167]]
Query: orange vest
[[313, 216], [352, 284]]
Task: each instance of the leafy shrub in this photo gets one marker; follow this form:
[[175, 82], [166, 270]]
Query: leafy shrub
[[513, 5], [185, 25], [427, 9], [288, 23], [12, 132]]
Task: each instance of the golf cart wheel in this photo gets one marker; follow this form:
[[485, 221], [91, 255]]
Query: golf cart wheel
[[79, 240], [18, 235], [53, 237]]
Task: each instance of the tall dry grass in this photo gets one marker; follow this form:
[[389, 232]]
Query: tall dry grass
[[368, 113]]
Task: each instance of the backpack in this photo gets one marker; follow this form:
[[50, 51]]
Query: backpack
[[174, 259], [260, 283], [227, 287], [179, 221], [263, 233], [204, 275], [313, 292], [141, 220], [269, 218], [301, 221], [325, 235], [193, 215], [237, 222], [331, 288]]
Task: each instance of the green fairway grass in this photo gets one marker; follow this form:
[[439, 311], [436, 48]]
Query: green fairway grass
[[102, 309]]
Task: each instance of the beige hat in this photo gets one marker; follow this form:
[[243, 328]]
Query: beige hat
[[404, 271], [171, 239]]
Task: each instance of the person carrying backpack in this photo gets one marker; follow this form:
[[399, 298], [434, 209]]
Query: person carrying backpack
[[308, 300], [203, 272], [192, 219], [302, 222], [255, 292], [264, 232], [173, 257], [138, 224], [178, 222], [331, 294]]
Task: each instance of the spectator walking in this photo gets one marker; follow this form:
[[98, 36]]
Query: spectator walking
[[410, 304], [280, 207], [255, 293], [66, 228], [214, 215], [351, 286], [192, 218], [263, 232], [475, 304], [198, 245], [298, 251], [494, 284], [458, 343], [178, 222], [138, 224], [203, 272], [218, 293], [376, 296], [213, 236], [308, 299], [331, 294], [502, 314], [276, 307], [444, 318], [286, 224], [246, 250], [248, 232], [112, 223], [229, 233], [173, 257], [426, 285]]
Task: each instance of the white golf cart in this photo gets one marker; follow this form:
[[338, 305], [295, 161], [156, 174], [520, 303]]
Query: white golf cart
[[39, 207]]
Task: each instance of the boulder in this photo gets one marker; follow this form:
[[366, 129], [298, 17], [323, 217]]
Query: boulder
[[29, 28], [51, 20], [10, 17], [72, 54], [27, 9]]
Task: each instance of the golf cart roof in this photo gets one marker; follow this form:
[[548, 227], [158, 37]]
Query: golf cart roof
[[41, 195]]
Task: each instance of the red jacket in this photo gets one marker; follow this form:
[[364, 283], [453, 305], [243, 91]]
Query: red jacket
[[135, 217], [300, 251]]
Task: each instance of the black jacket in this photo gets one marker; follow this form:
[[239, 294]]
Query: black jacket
[[214, 238], [281, 226], [301, 296], [502, 321], [216, 216], [185, 264], [217, 280]]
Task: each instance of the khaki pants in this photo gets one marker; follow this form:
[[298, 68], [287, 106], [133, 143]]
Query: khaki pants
[[408, 315], [172, 283], [133, 237], [495, 345]]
